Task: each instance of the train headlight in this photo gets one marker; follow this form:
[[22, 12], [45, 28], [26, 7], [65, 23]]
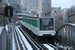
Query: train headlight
[[54, 28]]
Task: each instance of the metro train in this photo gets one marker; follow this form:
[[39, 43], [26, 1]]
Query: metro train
[[42, 28]]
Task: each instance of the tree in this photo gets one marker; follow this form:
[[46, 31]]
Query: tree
[[71, 14]]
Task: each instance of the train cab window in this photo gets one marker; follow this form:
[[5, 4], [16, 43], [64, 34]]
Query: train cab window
[[46, 24]]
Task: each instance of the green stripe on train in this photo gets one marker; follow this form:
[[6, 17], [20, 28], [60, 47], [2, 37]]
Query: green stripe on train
[[32, 22]]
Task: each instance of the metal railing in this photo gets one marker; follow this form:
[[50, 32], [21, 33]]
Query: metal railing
[[66, 34]]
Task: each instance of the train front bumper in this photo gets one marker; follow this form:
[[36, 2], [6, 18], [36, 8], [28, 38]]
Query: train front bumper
[[52, 33]]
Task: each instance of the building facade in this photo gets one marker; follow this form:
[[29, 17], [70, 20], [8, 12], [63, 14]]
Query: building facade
[[11, 1], [65, 16], [46, 7], [71, 14], [43, 6], [33, 5], [55, 11], [16, 4]]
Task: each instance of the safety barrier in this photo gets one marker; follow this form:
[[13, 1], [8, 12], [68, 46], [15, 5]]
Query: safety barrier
[[66, 34]]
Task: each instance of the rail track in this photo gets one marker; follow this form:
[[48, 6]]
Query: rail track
[[25, 42], [35, 45], [21, 37], [57, 45], [62, 46], [47, 46]]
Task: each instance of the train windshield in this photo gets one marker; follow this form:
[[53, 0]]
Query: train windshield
[[46, 24]]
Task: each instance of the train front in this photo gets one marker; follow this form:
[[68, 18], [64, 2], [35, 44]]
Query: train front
[[47, 31]]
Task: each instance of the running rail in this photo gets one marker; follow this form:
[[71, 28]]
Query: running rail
[[21, 41], [24, 42]]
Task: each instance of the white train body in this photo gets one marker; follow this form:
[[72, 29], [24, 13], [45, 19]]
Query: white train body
[[40, 25]]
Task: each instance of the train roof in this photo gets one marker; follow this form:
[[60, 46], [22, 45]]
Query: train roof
[[37, 17], [31, 16]]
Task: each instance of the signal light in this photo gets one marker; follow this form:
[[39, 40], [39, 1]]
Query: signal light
[[41, 28], [51, 28], [65, 30], [8, 11]]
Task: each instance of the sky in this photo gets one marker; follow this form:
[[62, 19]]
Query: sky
[[62, 3]]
